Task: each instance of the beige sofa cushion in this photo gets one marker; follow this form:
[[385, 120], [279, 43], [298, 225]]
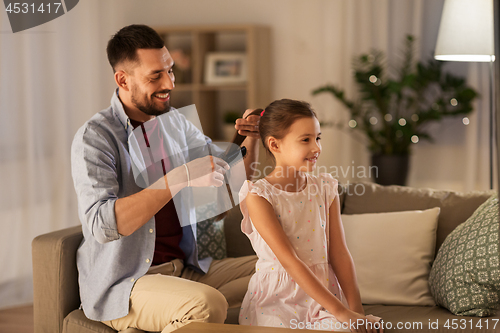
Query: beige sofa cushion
[[392, 253], [455, 207], [76, 322]]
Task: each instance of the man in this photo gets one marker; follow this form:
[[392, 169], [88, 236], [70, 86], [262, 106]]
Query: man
[[138, 266]]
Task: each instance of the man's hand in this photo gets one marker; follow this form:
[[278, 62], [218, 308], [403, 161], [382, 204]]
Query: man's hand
[[248, 125], [204, 171], [207, 171]]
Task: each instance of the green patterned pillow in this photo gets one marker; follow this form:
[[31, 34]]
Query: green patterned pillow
[[465, 277], [210, 235]]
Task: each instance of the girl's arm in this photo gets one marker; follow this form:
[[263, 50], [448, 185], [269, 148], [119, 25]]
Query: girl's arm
[[343, 266], [264, 219], [341, 260]]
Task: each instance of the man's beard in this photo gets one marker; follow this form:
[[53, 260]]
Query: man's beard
[[147, 106]]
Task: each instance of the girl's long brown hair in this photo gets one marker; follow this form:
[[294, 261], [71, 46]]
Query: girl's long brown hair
[[276, 121]]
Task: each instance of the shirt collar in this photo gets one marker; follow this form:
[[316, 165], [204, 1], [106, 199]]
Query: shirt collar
[[119, 112]]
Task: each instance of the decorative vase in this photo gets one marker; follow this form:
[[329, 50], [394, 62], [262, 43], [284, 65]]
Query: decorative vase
[[391, 169]]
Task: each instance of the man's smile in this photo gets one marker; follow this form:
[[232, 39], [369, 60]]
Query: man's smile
[[164, 97]]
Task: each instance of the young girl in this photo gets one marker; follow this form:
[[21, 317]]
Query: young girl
[[305, 275]]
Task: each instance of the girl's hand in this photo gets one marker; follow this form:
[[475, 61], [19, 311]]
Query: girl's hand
[[358, 323], [374, 319]]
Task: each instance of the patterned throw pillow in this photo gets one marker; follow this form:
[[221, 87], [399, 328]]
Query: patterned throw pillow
[[465, 277], [210, 235]]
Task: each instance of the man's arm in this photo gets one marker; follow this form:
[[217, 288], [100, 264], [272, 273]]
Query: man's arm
[[134, 211], [94, 163], [95, 175]]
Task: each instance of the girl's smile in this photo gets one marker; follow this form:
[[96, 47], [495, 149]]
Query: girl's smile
[[313, 159]]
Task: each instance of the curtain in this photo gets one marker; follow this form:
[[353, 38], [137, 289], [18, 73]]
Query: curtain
[[51, 82]]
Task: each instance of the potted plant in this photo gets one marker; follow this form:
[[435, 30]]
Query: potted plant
[[393, 112]]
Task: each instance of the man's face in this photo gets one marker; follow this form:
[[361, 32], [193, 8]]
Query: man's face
[[152, 80]]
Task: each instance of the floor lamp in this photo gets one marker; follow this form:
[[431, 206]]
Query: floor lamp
[[466, 33]]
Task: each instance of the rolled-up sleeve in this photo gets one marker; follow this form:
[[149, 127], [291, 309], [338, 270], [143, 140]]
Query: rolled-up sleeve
[[95, 176]]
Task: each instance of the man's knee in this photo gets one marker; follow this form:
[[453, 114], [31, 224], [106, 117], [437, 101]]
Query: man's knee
[[213, 304]]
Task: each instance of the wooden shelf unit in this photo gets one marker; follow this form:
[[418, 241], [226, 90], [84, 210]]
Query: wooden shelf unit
[[212, 101]]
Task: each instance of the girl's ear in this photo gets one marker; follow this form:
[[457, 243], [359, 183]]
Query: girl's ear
[[273, 144]]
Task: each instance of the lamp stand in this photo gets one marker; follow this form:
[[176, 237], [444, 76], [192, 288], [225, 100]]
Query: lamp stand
[[492, 136]]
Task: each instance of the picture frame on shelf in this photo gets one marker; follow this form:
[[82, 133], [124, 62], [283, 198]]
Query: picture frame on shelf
[[225, 68]]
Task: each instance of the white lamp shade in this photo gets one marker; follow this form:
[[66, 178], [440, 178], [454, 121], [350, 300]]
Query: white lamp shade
[[466, 31]]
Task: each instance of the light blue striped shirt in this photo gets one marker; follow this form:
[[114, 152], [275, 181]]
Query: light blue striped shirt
[[108, 263]]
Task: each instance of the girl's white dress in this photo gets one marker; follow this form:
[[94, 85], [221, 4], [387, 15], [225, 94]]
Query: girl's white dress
[[273, 298]]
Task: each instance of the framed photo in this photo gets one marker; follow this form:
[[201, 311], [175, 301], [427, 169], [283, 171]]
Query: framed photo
[[224, 68]]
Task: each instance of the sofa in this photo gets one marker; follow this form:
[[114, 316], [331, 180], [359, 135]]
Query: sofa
[[56, 296]]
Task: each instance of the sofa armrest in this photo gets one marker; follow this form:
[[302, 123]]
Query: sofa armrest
[[55, 278]]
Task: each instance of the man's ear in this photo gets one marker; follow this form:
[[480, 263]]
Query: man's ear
[[122, 79], [273, 144]]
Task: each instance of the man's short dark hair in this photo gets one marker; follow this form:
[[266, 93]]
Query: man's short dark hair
[[124, 44]]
